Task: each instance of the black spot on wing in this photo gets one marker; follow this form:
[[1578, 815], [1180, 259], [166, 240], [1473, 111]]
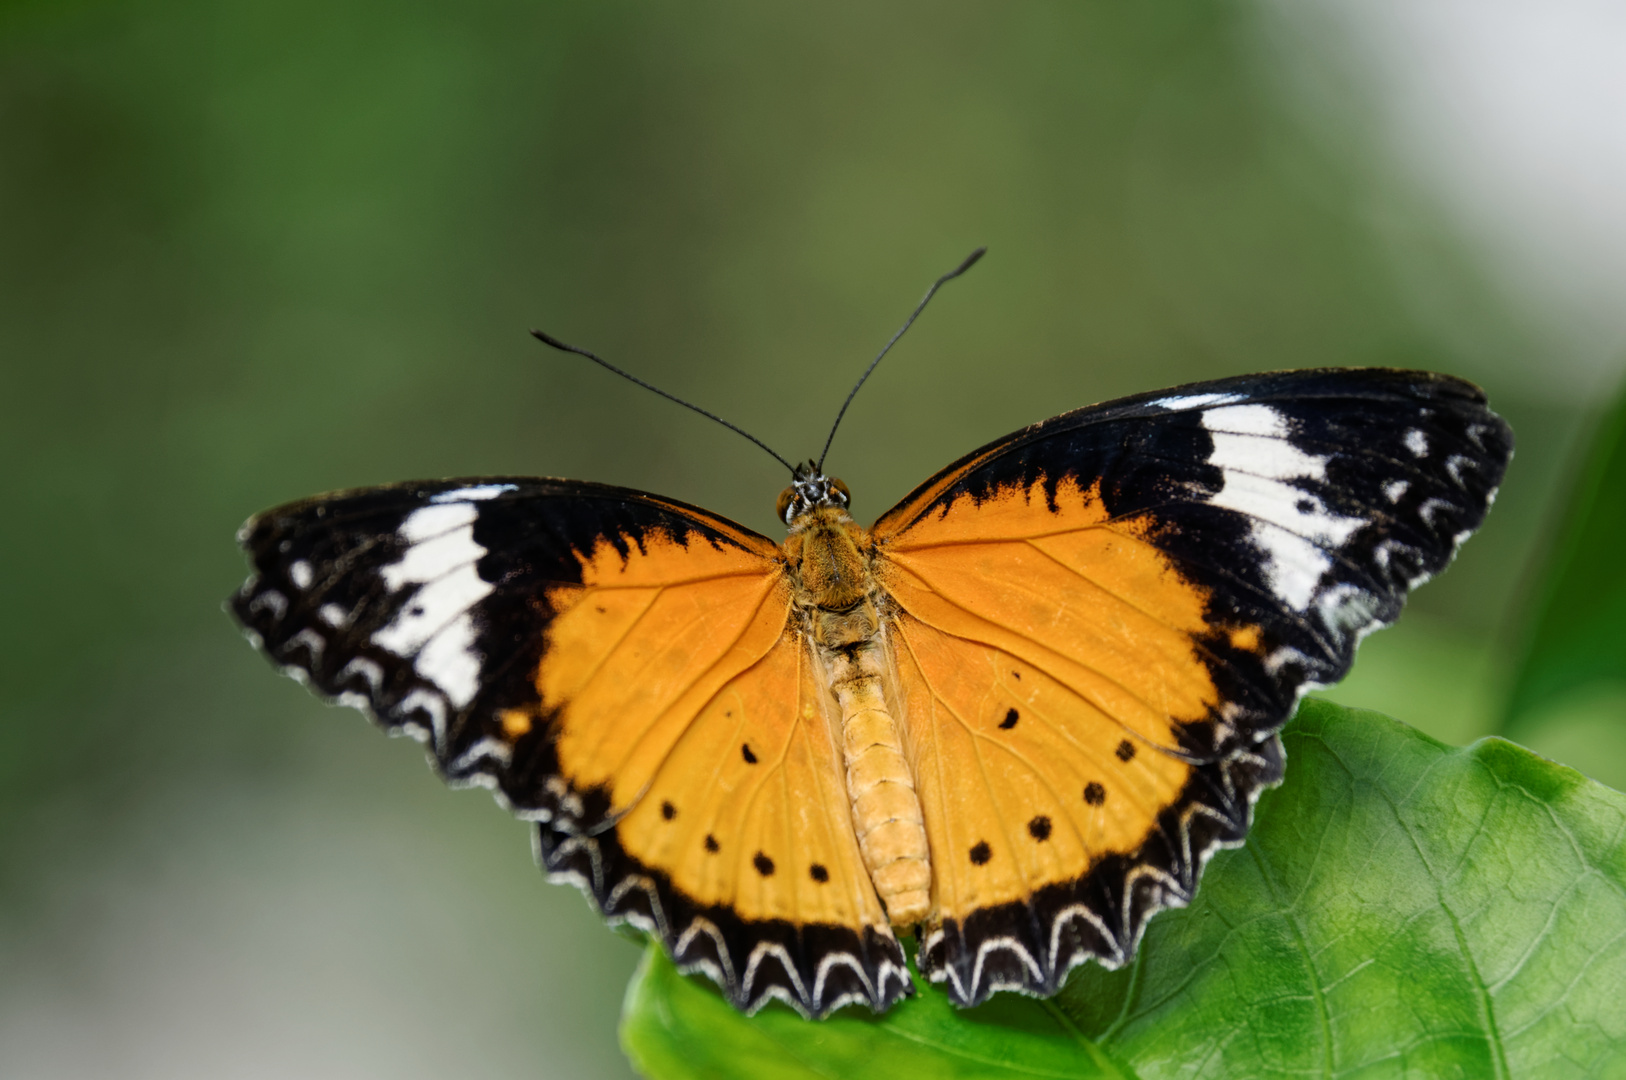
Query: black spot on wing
[[1031, 945]]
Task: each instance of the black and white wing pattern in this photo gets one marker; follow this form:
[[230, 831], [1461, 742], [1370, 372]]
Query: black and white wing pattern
[[1324, 497]]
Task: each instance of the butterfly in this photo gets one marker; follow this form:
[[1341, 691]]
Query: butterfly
[[1015, 715]]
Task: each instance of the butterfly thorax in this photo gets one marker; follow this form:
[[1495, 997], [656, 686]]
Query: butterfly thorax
[[829, 557]]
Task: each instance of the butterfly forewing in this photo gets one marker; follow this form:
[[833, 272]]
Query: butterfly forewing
[[621, 670], [1102, 621]]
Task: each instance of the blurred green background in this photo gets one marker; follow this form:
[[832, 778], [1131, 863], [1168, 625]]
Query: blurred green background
[[257, 250]]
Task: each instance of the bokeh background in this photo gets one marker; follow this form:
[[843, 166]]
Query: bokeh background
[[256, 250]]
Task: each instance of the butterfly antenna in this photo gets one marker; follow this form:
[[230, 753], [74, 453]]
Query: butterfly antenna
[[970, 261], [549, 339]]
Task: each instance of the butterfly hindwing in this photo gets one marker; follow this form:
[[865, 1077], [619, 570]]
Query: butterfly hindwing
[[740, 852], [595, 655], [1101, 621]]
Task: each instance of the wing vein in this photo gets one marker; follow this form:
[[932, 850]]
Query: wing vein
[[690, 684], [982, 768], [1195, 644], [1047, 671]]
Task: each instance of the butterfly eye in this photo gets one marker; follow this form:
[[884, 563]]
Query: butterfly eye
[[784, 501], [846, 496]]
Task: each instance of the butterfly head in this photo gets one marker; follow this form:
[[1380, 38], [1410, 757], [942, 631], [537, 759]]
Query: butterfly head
[[809, 490]]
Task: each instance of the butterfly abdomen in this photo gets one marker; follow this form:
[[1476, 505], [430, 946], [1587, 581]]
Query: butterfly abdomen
[[829, 553], [886, 810]]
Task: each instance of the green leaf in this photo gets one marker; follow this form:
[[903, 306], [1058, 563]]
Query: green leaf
[[1402, 907], [678, 1027], [1576, 635]]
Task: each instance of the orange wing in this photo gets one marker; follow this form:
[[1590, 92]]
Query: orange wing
[[1099, 623], [688, 704], [621, 669], [1049, 683]]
